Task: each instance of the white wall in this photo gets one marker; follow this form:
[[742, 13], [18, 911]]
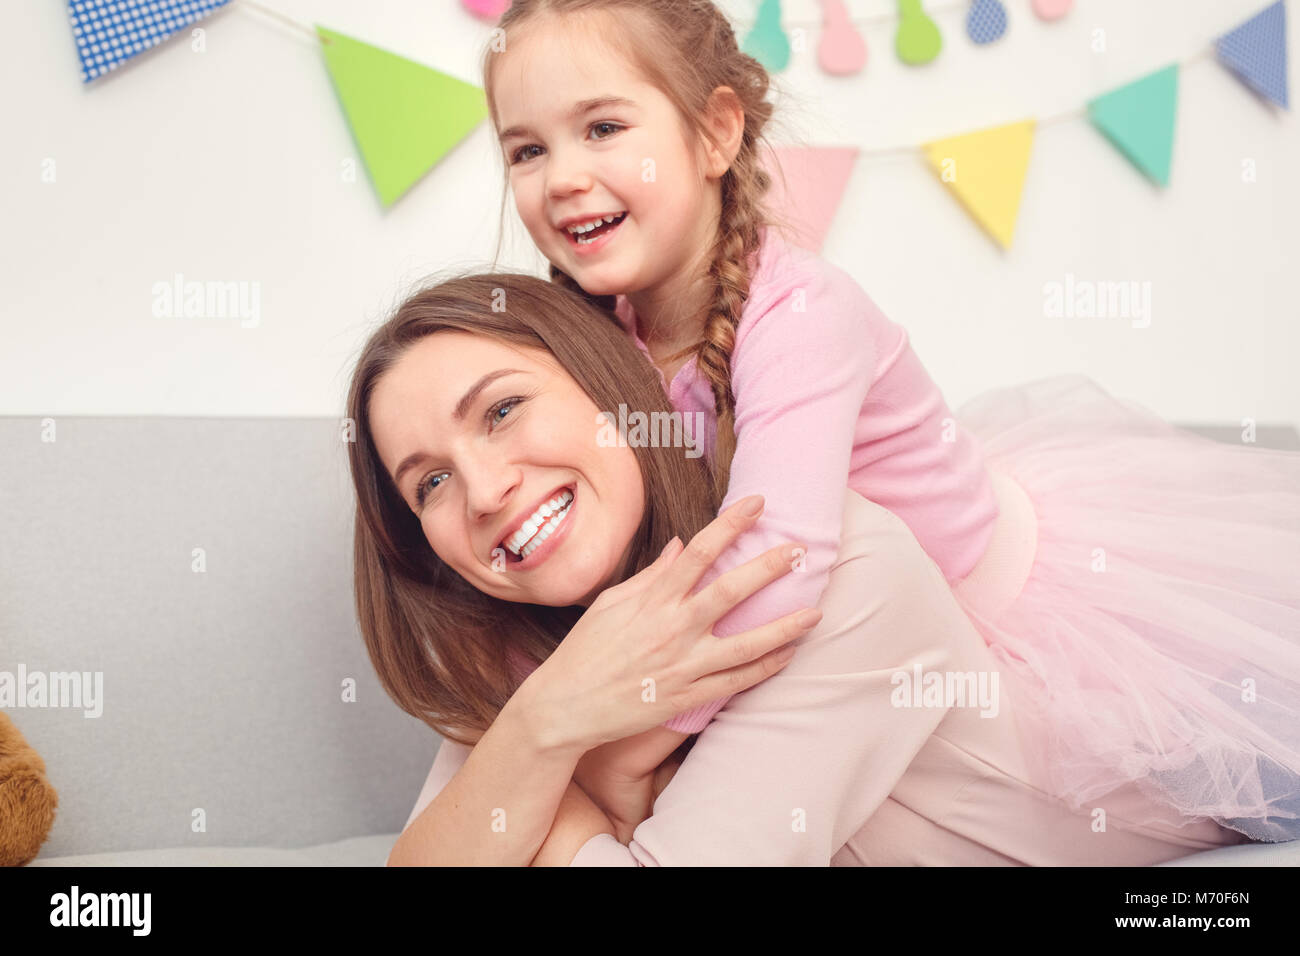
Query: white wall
[[225, 165]]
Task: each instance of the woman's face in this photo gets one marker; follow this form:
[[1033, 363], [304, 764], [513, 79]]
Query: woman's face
[[584, 136], [501, 443]]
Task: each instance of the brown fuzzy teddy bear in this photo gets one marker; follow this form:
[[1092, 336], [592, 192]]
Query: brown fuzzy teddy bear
[[27, 800]]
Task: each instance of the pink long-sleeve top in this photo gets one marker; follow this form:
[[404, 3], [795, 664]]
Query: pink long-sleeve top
[[835, 759], [829, 395]]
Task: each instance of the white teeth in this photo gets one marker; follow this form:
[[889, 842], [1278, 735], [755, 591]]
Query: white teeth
[[546, 518], [580, 228]]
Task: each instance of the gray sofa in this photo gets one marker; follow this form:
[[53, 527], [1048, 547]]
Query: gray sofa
[[222, 688]]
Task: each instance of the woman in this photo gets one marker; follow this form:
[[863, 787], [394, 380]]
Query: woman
[[481, 414]]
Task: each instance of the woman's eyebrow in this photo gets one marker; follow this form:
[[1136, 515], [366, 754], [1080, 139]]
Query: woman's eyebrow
[[461, 410], [579, 108], [467, 400]]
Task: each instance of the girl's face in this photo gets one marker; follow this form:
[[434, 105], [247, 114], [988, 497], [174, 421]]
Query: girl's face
[[584, 137], [490, 445]]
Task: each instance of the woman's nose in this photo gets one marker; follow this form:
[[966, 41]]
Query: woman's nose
[[488, 487]]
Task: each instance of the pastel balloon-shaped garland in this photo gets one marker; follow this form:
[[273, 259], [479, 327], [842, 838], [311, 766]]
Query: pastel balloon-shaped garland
[[841, 50]]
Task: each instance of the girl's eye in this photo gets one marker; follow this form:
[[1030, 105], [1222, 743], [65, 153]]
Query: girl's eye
[[521, 154], [518, 155]]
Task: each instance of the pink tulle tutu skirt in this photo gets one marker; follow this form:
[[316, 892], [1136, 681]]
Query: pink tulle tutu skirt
[[1152, 635]]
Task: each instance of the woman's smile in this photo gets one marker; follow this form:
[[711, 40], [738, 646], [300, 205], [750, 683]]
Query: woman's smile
[[541, 533]]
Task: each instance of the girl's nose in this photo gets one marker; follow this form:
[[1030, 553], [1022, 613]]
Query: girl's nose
[[566, 172]]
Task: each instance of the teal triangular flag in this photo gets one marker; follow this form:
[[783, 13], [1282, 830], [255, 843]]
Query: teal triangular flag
[[1139, 119]]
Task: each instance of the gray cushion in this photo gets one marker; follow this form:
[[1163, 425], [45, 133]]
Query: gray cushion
[[358, 851], [222, 690]]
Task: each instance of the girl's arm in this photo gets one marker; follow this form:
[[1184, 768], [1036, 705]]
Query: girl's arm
[[804, 360], [803, 759]]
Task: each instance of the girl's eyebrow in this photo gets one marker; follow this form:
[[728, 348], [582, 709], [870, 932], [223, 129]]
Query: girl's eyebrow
[[579, 108]]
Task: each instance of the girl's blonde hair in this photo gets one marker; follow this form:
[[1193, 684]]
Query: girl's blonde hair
[[686, 49]]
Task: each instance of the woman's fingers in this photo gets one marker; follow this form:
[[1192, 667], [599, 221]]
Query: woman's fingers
[[739, 662], [703, 549], [728, 590]]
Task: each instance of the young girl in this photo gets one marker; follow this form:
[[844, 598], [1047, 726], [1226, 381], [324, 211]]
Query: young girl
[[1155, 617]]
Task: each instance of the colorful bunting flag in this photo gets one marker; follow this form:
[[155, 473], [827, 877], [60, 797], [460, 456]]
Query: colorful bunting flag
[[807, 186], [766, 41], [1139, 119], [986, 171], [404, 115], [986, 20], [109, 34], [1256, 52]]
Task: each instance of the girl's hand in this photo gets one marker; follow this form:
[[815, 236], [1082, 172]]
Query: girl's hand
[[645, 652], [625, 801], [620, 782], [618, 775], [635, 756]]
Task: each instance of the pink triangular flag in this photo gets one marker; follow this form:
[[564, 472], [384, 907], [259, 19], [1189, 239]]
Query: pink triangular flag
[[808, 186]]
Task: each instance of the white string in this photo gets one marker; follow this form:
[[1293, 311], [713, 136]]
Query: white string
[[881, 151], [287, 21], [1051, 118], [878, 18]]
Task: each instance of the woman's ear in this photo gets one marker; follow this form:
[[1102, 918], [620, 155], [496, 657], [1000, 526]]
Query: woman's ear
[[725, 121]]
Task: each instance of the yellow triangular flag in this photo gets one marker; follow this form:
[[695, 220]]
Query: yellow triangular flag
[[986, 171]]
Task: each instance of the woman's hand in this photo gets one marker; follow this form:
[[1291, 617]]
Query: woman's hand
[[644, 651]]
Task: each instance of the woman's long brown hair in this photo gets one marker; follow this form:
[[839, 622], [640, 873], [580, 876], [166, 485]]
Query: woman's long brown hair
[[442, 649], [687, 49]]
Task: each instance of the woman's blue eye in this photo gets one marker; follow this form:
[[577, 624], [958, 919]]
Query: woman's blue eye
[[501, 406], [425, 487]]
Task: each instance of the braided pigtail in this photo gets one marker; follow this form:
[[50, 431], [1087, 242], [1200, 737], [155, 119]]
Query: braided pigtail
[[738, 238]]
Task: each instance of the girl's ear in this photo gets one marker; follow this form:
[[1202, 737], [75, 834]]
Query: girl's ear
[[725, 122]]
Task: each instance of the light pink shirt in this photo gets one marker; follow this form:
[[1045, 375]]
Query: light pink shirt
[[829, 395], [829, 762]]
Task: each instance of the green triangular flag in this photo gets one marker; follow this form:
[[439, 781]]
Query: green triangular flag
[[405, 116], [1139, 119]]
